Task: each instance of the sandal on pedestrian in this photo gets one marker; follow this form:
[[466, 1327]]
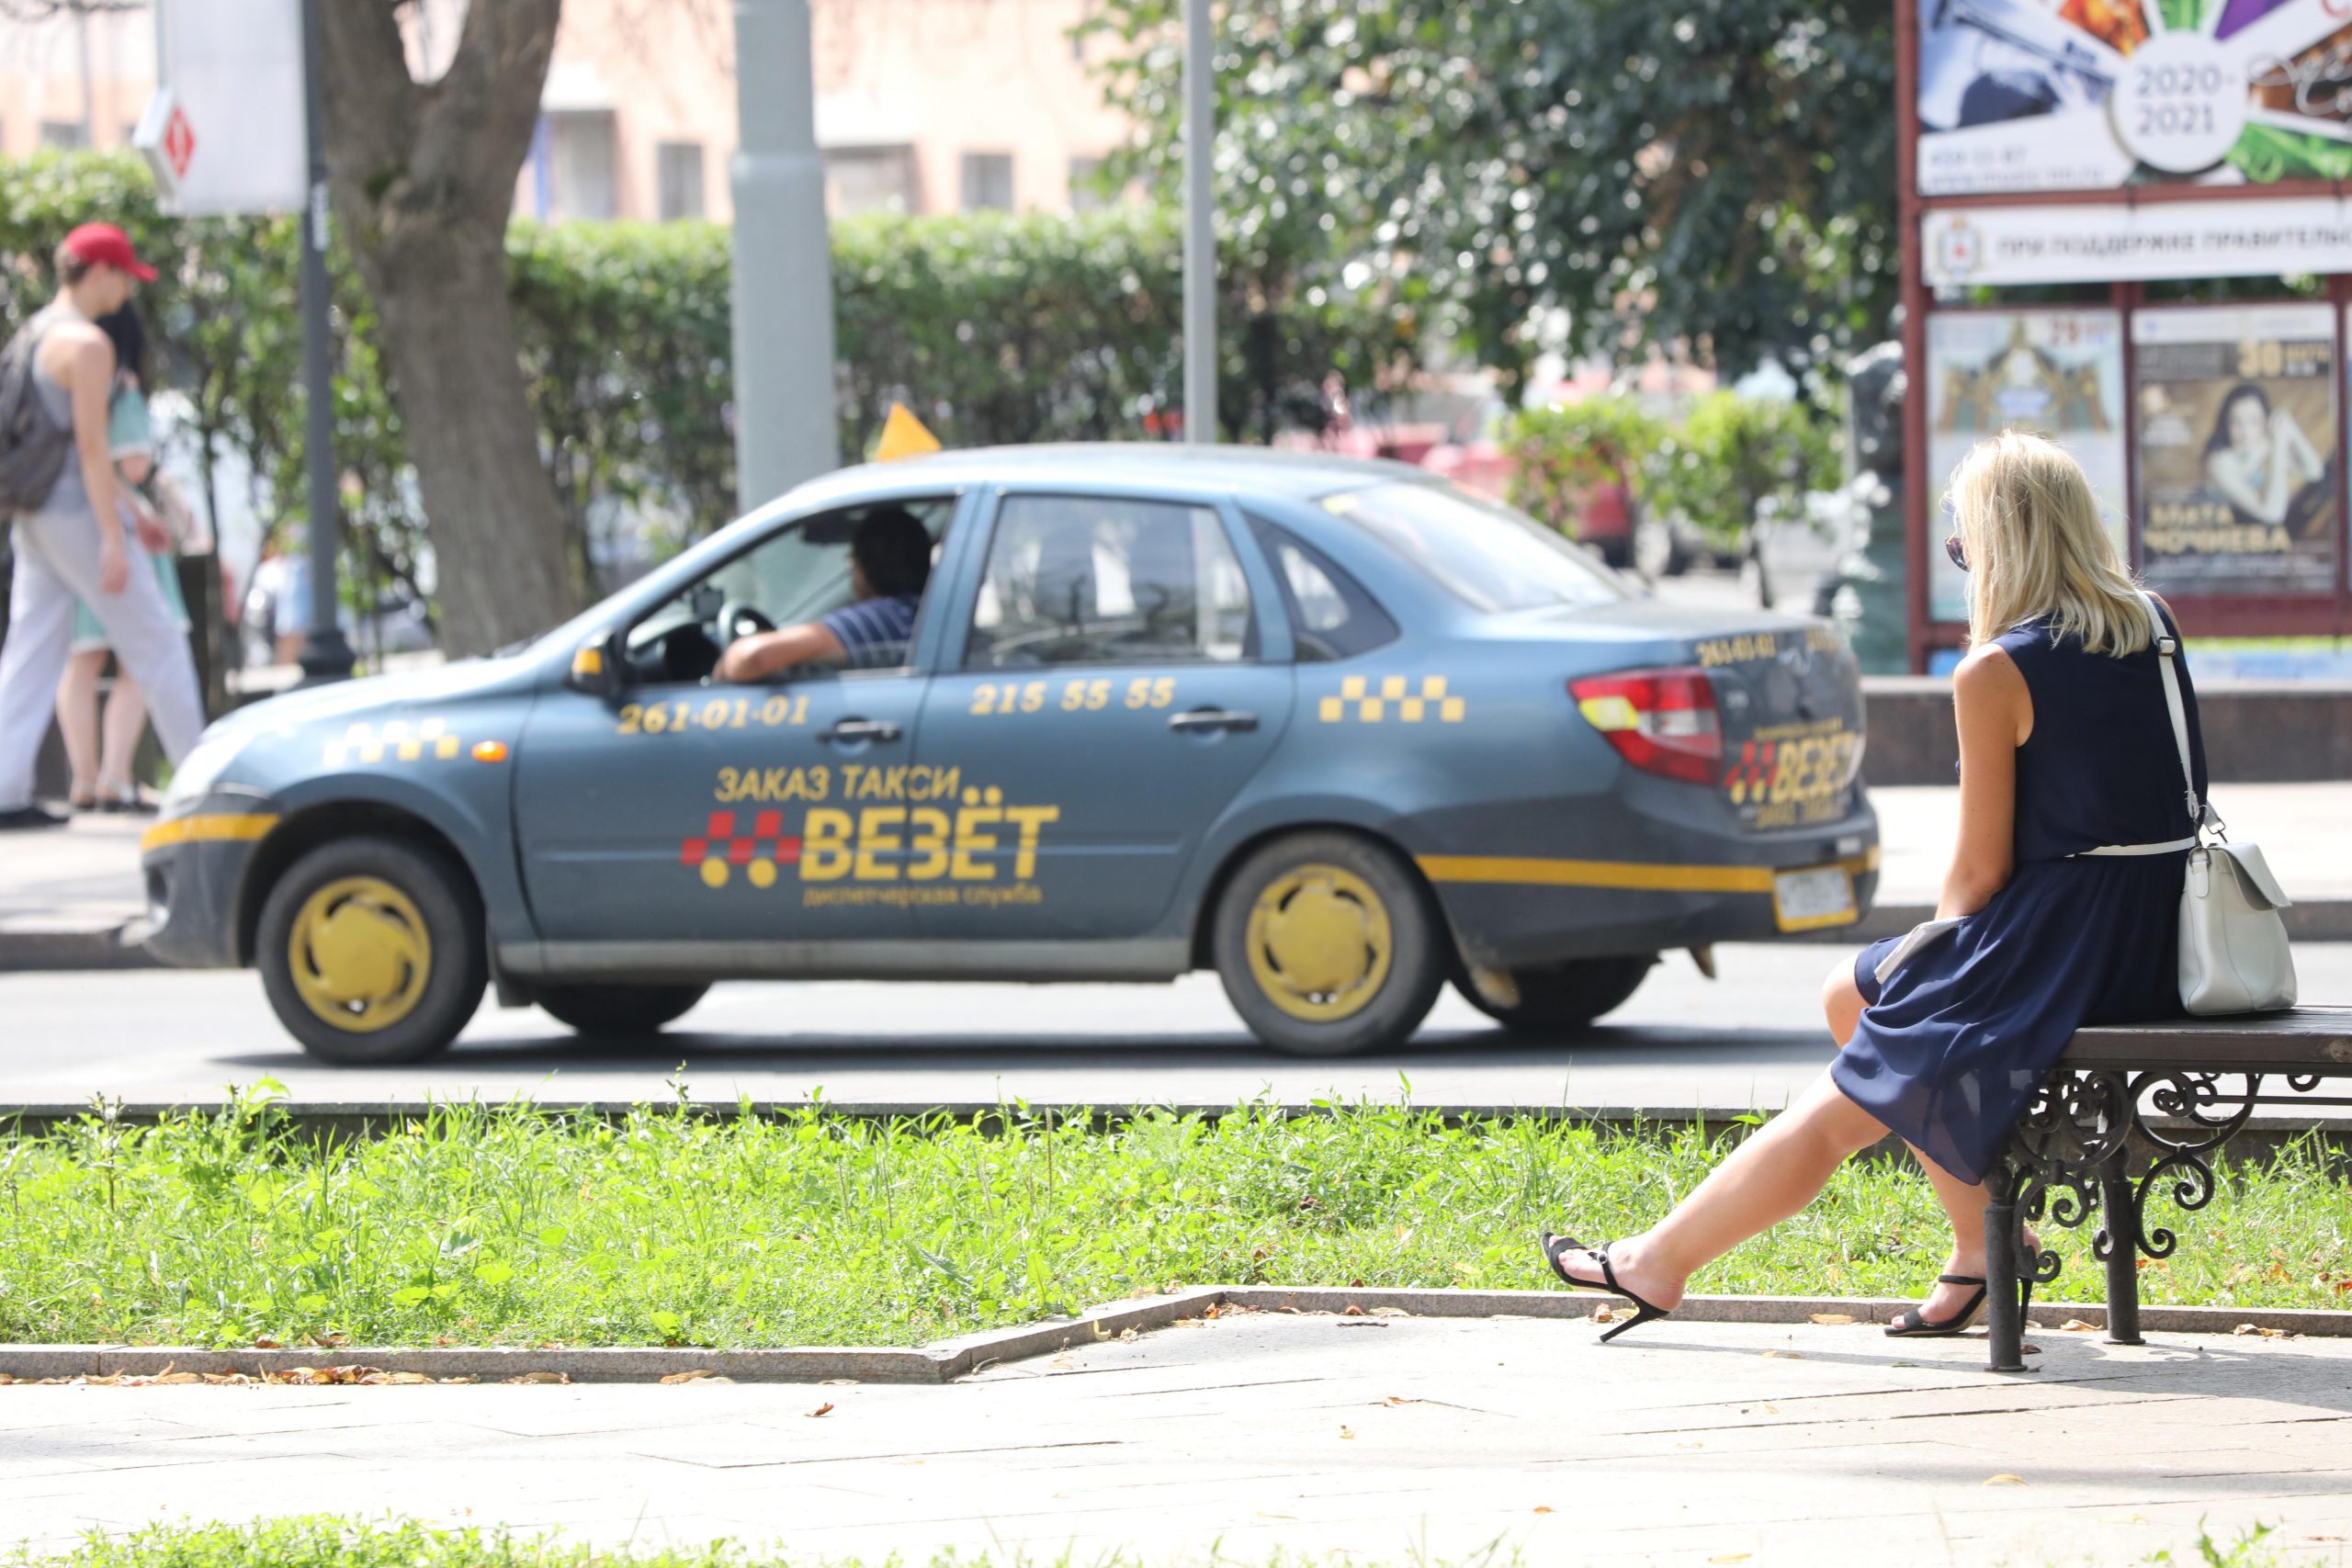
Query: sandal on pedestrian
[[1554, 1245], [1913, 1326]]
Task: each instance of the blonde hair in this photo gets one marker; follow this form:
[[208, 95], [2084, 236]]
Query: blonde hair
[[2035, 547]]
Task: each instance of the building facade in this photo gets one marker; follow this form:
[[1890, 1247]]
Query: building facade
[[923, 106]]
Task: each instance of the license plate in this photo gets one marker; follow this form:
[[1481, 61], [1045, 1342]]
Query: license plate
[[1817, 896]]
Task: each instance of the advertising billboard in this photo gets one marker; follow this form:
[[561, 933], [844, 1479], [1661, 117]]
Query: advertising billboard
[[2092, 95], [2237, 448], [2058, 373]]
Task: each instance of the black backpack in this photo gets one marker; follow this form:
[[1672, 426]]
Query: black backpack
[[33, 447]]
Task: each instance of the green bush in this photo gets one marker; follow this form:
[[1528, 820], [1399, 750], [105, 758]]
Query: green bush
[[994, 328], [1735, 459], [1560, 450]]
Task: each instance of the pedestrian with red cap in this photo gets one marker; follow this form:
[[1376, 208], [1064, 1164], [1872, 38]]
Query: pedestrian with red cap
[[71, 543]]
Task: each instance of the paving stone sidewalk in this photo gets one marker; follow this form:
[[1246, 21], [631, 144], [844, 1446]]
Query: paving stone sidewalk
[[1396, 1438]]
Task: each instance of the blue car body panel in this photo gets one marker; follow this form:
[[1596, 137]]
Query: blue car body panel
[[1063, 821]]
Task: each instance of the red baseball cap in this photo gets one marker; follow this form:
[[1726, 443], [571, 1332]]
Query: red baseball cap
[[106, 245]]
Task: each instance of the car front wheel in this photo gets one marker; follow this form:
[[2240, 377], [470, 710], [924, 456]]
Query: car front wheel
[[1327, 945], [618, 1011], [1564, 997], [371, 951]]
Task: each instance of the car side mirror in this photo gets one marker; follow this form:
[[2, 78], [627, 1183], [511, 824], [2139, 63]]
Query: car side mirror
[[596, 666]]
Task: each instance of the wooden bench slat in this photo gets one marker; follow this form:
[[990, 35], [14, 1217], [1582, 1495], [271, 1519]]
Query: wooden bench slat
[[2317, 1039]]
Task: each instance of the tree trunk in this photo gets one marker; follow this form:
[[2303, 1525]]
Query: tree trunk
[[422, 178]]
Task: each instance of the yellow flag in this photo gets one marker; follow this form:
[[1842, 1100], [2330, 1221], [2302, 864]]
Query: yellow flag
[[903, 436]]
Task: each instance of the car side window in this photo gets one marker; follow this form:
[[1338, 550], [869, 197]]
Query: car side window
[[1331, 615], [1087, 579]]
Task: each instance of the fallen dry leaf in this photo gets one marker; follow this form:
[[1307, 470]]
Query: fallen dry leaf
[[693, 1374], [1732, 1557], [1602, 1314], [2257, 1328], [538, 1378], [2005, 1479], [1347, 1432], [1542, 1508], [406, 1379], [851, 1382], [179, 1377], [2077, 1325], [1390, 1312], [1352, 1311], [1128, 1333], [1832, 1318], [6, 1379], [1784, 1355], [824, 1409]]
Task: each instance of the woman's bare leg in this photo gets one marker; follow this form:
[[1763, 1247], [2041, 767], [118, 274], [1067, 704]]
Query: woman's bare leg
[[126, 721], [1771, 1174], [1964, 1201], [77, 719]]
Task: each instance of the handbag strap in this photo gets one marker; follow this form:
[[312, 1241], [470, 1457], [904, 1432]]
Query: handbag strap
[[2167, 650]]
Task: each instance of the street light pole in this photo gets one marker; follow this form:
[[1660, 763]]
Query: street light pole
[[786, 426], [325, 655], [1200, 233]]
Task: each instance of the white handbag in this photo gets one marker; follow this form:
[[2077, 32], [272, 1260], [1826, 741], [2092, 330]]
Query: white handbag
[[2233, 950]]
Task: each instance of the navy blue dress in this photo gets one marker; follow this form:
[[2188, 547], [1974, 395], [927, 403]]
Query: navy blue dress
[[1950, 1049]]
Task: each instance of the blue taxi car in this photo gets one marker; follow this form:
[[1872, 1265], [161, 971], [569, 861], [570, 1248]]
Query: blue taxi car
[[1336, 729]]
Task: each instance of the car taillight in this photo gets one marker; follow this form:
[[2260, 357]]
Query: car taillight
[[1662, 721]]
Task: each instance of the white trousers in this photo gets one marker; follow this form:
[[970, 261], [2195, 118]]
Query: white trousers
[[57, 562]]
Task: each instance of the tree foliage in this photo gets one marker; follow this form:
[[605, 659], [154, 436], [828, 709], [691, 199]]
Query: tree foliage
[[994, 328], [1715, 177], [1735, 460]]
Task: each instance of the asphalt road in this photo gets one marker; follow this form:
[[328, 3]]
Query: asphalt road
[[1749, 1039]]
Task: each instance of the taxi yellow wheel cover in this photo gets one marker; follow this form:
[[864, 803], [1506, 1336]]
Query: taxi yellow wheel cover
[[359, 953], [1319, 942]]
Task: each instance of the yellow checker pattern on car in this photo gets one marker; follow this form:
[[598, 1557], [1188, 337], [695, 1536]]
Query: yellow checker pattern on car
[[1411, 702], [394, 740]]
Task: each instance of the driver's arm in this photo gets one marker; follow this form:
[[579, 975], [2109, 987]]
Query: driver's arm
[[757, 657]]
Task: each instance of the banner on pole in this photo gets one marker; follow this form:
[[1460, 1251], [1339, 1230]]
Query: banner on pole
[[224, 133]]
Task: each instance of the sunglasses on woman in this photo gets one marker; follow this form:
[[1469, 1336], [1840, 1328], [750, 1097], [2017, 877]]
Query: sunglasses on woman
[[1953, 549]]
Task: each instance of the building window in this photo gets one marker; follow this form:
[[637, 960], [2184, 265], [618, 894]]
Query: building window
[[1084, 194], [677, 178], [66, 134], [988, 182], [581, 159], [870, 179]]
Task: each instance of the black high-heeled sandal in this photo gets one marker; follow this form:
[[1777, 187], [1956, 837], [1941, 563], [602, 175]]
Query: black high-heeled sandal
[[1914, 1324], [1643, 1311]]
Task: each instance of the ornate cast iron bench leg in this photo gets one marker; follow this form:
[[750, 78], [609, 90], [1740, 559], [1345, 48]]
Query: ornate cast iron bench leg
[[2006, 1315], [2119, 1244]]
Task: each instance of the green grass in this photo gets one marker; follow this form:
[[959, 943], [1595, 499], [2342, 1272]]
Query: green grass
[[504, 1225], [325, 1542]]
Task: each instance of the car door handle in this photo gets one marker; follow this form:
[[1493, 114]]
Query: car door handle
[[1202, 719], [852, 730]]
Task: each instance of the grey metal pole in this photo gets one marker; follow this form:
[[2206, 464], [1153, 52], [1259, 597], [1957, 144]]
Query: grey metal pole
[[1200, 232], [325, 655], [786, 428]]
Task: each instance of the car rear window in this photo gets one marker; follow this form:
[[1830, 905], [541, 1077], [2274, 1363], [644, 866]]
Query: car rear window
[[1486, 555]]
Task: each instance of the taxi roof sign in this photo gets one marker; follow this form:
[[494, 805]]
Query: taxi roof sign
[[904, 435]]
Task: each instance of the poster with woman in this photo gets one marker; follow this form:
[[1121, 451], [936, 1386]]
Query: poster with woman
[[2237, 448], [2057, 373]]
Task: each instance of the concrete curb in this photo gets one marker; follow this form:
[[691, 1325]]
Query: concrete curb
[[26, 949], [951, 1358]]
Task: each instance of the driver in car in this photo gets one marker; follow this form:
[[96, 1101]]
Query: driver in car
[[889, 562]]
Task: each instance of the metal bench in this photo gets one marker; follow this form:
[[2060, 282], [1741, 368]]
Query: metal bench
[[2129, 1111]]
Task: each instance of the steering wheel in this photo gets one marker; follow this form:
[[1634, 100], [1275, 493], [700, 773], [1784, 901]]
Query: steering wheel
[[738, 620]]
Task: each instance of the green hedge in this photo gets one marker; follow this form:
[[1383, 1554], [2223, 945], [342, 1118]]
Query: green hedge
[[992, 328]]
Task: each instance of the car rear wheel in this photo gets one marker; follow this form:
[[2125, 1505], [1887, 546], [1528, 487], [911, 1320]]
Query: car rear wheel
[[603, 1011], [1564, 997], [371, 951], [1326, 945]]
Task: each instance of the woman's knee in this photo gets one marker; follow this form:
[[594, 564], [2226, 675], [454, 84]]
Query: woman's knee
[[1841, 1002]]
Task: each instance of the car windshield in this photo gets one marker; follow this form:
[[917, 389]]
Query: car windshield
[[1486, 555]]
